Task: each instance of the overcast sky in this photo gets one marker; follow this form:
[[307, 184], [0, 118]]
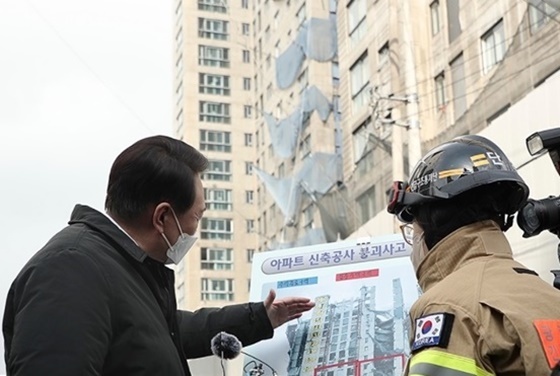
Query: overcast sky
[[79, 82]]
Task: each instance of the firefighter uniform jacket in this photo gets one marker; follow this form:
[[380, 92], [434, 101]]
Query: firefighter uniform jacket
[[482, 313]]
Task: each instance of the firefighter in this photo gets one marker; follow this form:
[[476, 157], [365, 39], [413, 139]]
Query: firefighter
[[481, 312]]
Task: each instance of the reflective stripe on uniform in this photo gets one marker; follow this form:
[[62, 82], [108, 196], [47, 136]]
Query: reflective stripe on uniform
[[438, 363]]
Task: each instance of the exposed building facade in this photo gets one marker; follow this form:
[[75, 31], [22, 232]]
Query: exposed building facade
[[309, 109], [351, 337], [472, 61]]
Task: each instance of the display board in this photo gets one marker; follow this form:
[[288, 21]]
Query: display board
[[359, 326]]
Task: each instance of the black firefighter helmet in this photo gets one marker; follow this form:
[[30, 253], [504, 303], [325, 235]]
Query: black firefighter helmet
[[455, 167]]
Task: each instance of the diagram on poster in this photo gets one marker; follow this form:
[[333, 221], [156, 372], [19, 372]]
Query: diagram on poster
[[362, 291]]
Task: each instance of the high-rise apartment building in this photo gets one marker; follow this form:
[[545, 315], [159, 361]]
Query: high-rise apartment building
[[215, 113], [309, 109]]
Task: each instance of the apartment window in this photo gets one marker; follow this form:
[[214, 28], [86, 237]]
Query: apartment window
[[216, 258], [359, 77], [250, 225], [366, 205], [215, 141], [440, 90], [249, 197], [246, 56], [434, 16], [248, 139], [308, 217], [213, 56], [305, 146], [335, 73], [245, 28], [303, 80], [275, 20], [179, 38], [179, 65], [179, 119], [453, 20], [245, 4], [218, 6], [383, 54], [179, 92], [247, 111], [246, 83], [179, 10], [363, 149], [218, 199], [213, 84], [301, 15], [305, 120], [356, 20], [360, 138], [216, 228], [250, 254], [540, 12], [213, 29], [268, 61], [248, 168], [217, 289], [459, 86], [493, 46], [214, 112], [218, 170], [281, 171]]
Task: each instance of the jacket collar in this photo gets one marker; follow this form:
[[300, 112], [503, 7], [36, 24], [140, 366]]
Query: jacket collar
[[100, 222], [461, 247]]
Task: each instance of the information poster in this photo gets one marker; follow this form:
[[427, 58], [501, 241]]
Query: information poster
[[363, 291]]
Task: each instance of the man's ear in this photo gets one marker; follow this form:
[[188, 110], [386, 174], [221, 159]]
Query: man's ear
[[161, 211]]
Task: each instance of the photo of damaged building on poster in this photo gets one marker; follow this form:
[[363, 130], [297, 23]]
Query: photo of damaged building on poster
[[351, 337]]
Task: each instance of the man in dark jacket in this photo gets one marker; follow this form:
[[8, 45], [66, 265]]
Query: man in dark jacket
[[98, 298]]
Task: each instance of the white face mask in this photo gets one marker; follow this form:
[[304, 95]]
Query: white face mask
[[177, 251], [419, 248]]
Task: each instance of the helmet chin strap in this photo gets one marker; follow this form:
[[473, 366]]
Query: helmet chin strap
[[507, 221]]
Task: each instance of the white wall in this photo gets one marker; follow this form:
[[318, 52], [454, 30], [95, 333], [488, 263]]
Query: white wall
[[538, 111]]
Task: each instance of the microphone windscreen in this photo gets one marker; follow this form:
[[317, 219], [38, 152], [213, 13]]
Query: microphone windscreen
[[225, 345]]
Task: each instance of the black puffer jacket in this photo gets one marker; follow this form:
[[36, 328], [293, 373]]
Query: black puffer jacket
[[91, 303]]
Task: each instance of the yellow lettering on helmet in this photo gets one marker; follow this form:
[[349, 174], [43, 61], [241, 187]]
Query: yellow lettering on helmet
[[479, 160], [448, 173]]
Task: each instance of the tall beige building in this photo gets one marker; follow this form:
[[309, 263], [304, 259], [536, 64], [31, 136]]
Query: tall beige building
[[214, 112], [309, 109]]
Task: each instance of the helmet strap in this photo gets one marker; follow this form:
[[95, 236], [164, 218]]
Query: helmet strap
[[507, 221]]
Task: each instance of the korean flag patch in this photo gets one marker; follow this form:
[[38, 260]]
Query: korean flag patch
[[432, 330]]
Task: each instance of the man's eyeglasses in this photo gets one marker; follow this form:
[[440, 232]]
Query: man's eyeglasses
[[407, 232]]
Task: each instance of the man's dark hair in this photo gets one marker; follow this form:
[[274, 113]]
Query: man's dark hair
[[153, 170], [440, 218]]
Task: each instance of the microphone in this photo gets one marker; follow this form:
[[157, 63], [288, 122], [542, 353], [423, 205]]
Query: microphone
[[227, 346]]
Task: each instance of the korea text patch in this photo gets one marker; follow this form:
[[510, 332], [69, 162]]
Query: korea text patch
[[432, 330]]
